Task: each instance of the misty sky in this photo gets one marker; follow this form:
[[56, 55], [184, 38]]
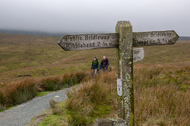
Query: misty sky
[[83, 16]]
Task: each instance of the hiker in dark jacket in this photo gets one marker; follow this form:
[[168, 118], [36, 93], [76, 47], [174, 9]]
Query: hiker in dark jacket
[[104, 64], [94, 66]]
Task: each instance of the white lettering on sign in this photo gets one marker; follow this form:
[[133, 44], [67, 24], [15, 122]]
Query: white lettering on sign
[[119, 87]]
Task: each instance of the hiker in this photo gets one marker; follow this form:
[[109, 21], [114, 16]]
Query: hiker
[[104, 64], [94, 66]]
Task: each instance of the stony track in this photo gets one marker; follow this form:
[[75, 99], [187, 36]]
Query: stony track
[[21, 115]]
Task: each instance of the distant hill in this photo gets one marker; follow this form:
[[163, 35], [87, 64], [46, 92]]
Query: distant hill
[[56, 34], [181, 38], [31, 32], [42, 33]]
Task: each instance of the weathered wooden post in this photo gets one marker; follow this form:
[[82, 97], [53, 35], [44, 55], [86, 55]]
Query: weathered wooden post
[[125, 72]]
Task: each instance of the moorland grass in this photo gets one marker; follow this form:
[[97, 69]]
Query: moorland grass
[[161, 80], [41, 56], [18, 92], [159, 98], [95, 98]]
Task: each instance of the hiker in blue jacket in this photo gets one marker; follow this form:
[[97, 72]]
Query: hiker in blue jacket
[[94, 66], [104, 64]]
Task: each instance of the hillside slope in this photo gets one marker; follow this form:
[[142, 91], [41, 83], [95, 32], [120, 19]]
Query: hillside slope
[[36, 56], [162, 77]]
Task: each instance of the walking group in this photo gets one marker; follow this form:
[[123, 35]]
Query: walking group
[[103, 65]]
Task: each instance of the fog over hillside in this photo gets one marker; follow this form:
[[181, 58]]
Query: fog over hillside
[[60, 34], [86, 16]]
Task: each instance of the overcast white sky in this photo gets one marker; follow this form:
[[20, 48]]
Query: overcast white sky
[[85, 16]]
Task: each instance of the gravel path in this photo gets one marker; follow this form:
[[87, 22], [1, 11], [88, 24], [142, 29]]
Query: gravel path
[[22, 114]]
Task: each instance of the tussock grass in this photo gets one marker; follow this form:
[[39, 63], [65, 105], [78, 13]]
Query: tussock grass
[[52, 103], [96, 98], [59, 82], [2, 107], [162, 102], [54, 106], [158, 94], [153, 75], [18, 92]]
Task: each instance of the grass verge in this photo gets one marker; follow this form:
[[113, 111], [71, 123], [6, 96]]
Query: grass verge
[[40, 94]]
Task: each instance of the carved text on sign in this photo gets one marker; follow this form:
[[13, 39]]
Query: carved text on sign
[[110, 40], [89, 41], [154, 38], [78, 46]]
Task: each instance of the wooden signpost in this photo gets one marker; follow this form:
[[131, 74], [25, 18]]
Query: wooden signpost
[[89, 41], [95, 41], [154, 38], [124, 40], [110, 40]]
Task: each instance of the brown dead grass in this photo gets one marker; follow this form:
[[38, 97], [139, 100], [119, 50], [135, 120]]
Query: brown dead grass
[[162, 102], [18, 92], [161, 96], [161, 79], [95, 98]]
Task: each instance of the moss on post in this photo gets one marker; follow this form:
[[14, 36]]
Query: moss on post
[[125, 71]]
